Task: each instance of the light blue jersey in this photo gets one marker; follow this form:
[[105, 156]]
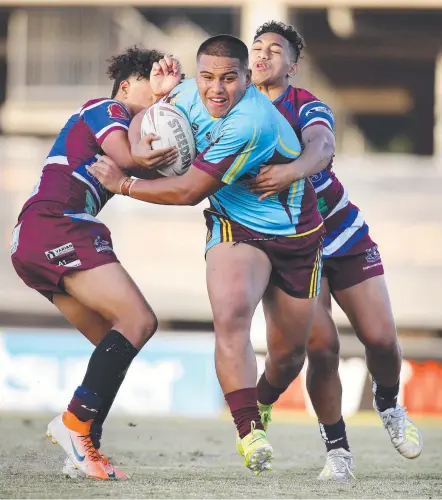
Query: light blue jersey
[[233, 148]]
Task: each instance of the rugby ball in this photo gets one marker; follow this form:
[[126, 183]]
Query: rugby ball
[[173, 128]]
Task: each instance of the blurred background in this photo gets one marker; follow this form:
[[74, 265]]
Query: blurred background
[[378, 64]]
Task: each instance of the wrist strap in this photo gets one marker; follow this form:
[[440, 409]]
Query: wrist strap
[[125, 186], [132, 184]]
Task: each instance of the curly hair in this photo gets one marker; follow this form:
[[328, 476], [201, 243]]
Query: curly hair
[[295, 40], [133, 62]]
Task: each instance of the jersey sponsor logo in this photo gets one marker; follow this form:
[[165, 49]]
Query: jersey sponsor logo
[[102, 245], [117, 112], [322, 205], [64, 256], [70, 260], [57, 252], [316, 177], [320, 109], [372, 254]]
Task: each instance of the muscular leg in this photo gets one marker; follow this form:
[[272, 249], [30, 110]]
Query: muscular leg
[[237, 276], [323, 382], [107, 297], [100, 298], [288, 322], [111, 293], [367, 306], [93, 326]]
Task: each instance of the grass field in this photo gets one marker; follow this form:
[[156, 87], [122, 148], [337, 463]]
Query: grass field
[[181, 458]]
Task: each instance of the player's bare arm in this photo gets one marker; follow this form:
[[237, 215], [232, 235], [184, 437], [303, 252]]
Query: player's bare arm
[[318, 150], [188, 189]]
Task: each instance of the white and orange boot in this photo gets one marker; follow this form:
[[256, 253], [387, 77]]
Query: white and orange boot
[[72, 471], [74, 436]]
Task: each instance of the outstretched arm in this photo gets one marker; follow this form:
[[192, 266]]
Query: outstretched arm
[[188, 189]]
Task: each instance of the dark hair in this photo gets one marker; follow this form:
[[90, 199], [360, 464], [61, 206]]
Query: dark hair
[[295, 40], [133, 62], [225, 46]]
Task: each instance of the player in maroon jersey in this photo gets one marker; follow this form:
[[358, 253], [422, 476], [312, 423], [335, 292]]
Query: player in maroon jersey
[[62, 250], [352, 266]]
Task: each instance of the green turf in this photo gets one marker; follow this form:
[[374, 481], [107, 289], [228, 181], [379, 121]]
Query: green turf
[[180, 458]]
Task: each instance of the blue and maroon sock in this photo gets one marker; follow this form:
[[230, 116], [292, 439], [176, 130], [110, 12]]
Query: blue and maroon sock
[[85, 404], [104, 375]]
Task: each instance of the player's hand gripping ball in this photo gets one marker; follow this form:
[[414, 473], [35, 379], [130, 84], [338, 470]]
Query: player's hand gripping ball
[[172, 129]]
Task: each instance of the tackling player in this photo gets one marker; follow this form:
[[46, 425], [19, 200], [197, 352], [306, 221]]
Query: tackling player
[[352, 271], [60, 249], [255, 250]]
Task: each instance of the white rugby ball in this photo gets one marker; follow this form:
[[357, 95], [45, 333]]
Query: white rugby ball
[[173, 128]]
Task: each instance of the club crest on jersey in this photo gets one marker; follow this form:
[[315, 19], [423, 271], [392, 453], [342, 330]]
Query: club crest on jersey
[[102, 245], [372, 254], [117, 112]]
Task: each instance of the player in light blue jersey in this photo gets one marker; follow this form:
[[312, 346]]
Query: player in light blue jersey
[[268, 250], [233, 151]]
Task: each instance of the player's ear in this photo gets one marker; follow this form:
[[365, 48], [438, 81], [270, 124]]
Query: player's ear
[[293, 70], [248, 77], [124, 88]]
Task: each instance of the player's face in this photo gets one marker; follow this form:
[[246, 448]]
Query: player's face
[[271, 60], [222, 81], [136, 94]]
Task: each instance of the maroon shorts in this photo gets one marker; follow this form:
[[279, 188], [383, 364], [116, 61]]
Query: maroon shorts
[[48, 244], [296, 260], [359, 263]]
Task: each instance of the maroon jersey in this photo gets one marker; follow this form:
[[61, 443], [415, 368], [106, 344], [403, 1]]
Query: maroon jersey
[[344, 223], [64, 178]]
